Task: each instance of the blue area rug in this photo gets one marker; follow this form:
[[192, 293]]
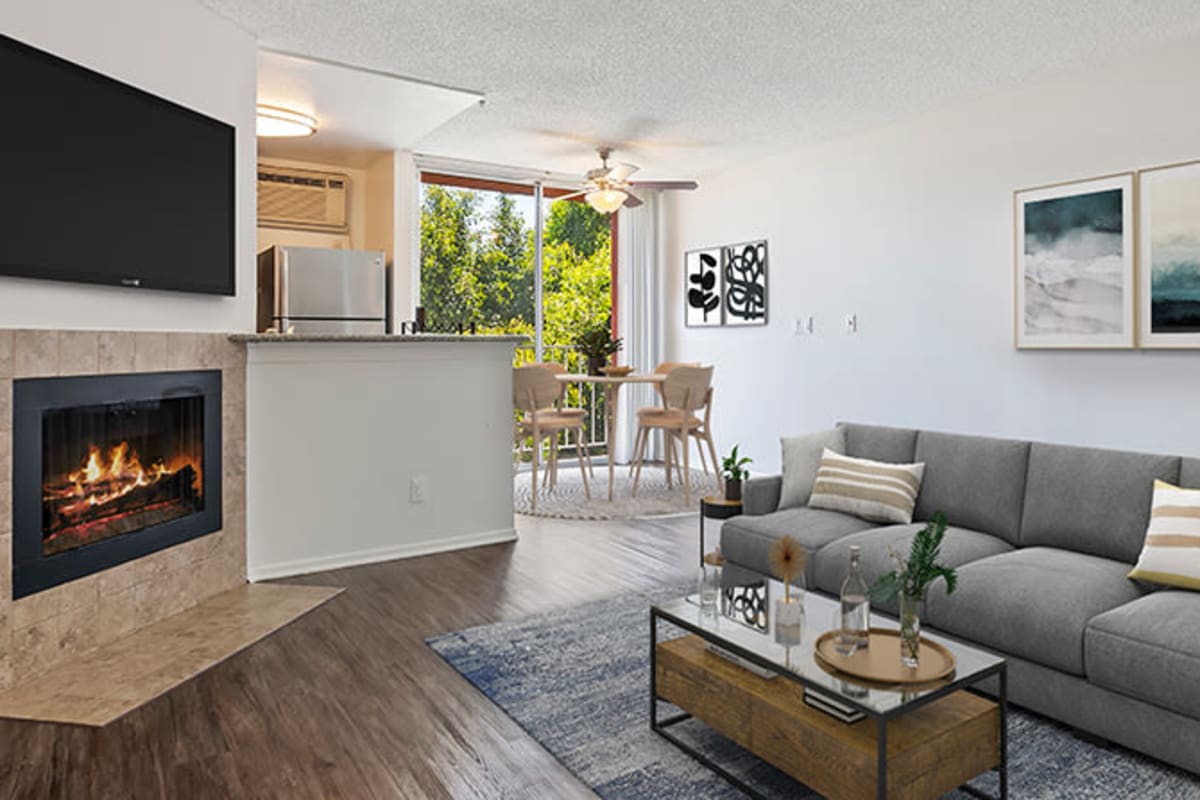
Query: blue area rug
[[578, 681]]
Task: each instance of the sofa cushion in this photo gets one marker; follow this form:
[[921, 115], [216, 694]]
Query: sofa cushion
[[1034, 603], [801, 457], [977, 482], [747, 540], [960, 546], [1091, 501], [1149, 649], [873, 490], [880, 443]]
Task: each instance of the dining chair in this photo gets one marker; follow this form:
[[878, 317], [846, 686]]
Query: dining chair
[[556, 368], [535, 393], [662, 369], [686, 391]]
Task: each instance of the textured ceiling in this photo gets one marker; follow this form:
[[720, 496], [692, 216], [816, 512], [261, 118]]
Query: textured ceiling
[[685, 88]]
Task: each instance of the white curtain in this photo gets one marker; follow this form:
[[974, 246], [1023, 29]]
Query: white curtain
[[640, 297]]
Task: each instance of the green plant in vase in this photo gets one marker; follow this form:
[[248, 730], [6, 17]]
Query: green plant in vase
[[733, 471], [910, 581], [596, 344]]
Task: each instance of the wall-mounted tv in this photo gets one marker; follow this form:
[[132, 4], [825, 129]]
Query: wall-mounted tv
[[101, 182]]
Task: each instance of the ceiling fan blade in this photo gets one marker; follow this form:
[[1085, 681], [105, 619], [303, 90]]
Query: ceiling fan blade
[[621, 172], [631, 201], [580, 193], [679, 185]]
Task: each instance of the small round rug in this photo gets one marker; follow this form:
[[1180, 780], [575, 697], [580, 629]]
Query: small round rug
[[567, 500]]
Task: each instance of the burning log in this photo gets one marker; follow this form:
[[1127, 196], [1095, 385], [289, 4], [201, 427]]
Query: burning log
[[61, 513]]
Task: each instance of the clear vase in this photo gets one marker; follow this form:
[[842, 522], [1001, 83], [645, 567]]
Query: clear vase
[[708, 586], [789, 614], [912, 608]]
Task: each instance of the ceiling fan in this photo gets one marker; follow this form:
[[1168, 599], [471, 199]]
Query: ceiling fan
[[608, 187]]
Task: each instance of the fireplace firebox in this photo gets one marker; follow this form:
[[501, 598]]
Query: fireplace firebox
[[109, 468]]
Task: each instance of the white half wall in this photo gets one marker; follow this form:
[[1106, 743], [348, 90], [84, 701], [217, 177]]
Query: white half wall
[[910, 228], [337, 431], [178, 50]]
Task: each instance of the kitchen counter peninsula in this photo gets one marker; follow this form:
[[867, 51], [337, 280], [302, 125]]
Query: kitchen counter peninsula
[[364, 448]]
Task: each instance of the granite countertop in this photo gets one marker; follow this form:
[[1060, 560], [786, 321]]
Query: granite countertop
[[390, 338]]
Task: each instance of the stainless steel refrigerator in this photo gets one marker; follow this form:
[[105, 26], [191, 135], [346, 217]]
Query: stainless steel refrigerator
[[321, 290]]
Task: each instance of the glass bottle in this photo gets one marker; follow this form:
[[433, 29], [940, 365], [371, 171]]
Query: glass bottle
[[856, 607]]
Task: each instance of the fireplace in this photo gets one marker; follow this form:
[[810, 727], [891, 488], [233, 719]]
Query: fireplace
[[110, 468]]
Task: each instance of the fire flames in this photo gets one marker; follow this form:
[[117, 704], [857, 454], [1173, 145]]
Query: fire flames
[[102, 479]]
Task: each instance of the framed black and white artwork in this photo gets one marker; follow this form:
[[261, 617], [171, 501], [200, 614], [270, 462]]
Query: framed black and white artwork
[[702, 288], [744, 284]]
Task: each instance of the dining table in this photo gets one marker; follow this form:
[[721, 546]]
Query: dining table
[[611, 384]]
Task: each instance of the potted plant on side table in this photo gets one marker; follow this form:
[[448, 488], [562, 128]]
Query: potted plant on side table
[[909, 582], [733, 472], [597, 344]]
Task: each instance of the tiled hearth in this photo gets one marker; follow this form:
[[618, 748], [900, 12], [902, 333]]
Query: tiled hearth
[[49, 628]]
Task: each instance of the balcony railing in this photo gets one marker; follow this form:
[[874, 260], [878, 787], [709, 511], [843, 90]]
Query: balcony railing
[[587, 396]]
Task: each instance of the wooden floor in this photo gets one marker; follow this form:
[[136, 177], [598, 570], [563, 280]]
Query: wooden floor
[[348, 702]]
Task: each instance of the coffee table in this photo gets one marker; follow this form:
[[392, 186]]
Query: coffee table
[[914, 741]]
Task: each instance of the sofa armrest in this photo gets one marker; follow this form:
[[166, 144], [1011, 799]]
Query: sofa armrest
[[761, 495]]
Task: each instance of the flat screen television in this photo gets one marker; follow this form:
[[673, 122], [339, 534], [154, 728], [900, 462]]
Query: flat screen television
[[105, 183]]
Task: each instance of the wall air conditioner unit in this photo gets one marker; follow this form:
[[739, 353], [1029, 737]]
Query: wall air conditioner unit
[[302, 199]]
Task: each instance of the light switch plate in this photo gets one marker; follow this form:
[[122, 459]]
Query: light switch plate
[[851, 323]]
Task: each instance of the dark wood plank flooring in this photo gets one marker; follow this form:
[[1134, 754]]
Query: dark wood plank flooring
[[348, 702]]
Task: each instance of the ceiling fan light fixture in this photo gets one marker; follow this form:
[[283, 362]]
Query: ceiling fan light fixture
[[606, 201], [276, 122]]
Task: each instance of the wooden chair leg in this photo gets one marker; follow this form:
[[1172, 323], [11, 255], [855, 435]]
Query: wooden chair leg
[[537, 450], [640, 457], [582, 468], [712, 450], [668, 453], [703, 460], [637, 443], [553, 462], [687, 476]]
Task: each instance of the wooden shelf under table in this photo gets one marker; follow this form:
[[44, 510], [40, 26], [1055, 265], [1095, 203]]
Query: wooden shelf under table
[[931, 750]]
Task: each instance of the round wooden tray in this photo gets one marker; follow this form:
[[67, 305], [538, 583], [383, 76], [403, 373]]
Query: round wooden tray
[[881, 661], [617, 372]]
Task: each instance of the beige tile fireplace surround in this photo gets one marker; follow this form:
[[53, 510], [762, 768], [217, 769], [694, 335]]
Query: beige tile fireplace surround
[[57, 625]]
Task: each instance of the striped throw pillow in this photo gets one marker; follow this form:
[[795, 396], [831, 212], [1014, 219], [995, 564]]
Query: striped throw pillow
[[1171, 554], [871, 490]]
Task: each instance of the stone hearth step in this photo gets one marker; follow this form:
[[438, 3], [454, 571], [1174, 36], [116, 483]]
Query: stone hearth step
[[101, 686]]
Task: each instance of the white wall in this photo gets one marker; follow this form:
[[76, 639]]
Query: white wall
[[335, 432], [910, 227], [185, 53]]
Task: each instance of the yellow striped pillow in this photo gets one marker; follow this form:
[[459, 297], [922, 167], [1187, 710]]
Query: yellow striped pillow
[[1171, 554], [872, 490]]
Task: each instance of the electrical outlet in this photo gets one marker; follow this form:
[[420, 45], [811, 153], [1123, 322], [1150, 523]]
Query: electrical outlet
[[418, 488], [851, 323], [804, 326]]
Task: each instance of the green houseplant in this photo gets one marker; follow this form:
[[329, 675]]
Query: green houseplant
[[734, 472], [909, 582], [596, 344]]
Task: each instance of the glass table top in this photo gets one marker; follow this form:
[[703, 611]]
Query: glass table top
[[745, 620]]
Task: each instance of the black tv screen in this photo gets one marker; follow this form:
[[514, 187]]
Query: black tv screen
[[106, 183]]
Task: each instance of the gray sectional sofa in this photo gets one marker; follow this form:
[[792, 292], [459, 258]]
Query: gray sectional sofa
[[1042, 536]]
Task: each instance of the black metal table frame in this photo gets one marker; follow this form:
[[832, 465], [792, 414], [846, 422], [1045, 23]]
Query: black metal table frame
[[661, 726]]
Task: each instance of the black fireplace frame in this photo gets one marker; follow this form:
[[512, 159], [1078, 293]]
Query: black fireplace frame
[[34, 572]]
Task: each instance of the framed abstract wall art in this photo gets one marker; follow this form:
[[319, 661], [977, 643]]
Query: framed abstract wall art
[[1074, 264], [702, 288], [1169, 256], [745, 283]]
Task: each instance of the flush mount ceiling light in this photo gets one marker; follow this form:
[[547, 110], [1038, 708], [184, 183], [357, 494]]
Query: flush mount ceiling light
[[273, 121]]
